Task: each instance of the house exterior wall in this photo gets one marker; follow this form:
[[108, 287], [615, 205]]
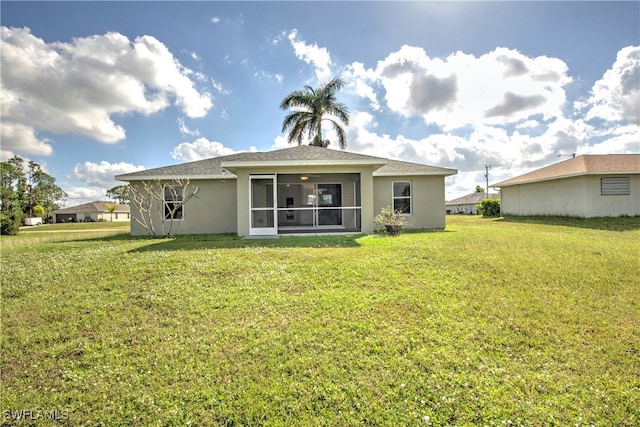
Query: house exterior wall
[[576, 196], [427, 199], [212, 210], [598, 205], [223, 206], [462, 208], [118, 216], [93, 216]]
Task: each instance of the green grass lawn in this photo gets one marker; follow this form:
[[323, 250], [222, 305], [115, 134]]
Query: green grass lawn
[[78, 226], [490, 322]]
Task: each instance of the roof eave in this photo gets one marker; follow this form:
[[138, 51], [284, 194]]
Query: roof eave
[[424, 173], [506, 183], [129, 178], [233, 165]]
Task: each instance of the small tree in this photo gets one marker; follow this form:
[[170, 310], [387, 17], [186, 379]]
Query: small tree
[[157, 205], [119, 193], [10, 220], [479, 189], [111, 207], [22, 189], [13, 187], [39, 211], [489, 207]]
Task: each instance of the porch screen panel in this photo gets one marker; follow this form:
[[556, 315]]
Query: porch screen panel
[[262, 203]]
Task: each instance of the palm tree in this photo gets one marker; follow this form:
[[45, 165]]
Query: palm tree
[[309, 108], [111, 207]]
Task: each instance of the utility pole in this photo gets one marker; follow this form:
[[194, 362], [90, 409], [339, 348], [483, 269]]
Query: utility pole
[[486, 176]]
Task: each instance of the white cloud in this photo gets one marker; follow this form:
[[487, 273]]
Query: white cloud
[[528, 124], [622, 139], [220, 88], [80, 195], [498, 88], [102, 174], [77, 87], [312, 54], [185, 130], [215, 20], [200, 149], [503, 108], [359, 79], [280, 142], [616, 96], [20, 138]]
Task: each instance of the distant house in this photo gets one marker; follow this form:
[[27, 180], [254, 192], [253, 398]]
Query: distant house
[[467, 204], [302, 189], [91, 212], [584, 186]]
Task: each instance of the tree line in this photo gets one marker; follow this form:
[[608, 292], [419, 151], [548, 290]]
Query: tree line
[[26, 191]]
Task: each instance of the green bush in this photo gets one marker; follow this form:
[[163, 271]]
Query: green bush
[[10, 221], [391, 220], [39, 211], [489, 207]]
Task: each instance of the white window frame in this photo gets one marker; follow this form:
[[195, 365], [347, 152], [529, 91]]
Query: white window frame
[[410, 197], [165, 203]]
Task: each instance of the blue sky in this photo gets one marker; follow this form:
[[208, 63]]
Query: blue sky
[[95, 89]]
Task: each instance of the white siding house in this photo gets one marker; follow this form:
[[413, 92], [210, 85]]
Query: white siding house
[[585, 186], [92, 212]]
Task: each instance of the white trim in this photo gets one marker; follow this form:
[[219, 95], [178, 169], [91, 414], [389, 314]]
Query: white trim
[[264, 231], [553, 178], [172, 177], [410, 197], [416, 173], [288, 163], [164, 203]]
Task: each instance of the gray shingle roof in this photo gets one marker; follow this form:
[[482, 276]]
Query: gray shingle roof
[[587, 164], [397, 167], [471, 199], [97, 206], [218, 167]]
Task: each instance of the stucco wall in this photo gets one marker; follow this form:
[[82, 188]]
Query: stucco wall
[[217, 208], [95, 216], [576, 196], [598, 205], [427, 199], [211, 211]]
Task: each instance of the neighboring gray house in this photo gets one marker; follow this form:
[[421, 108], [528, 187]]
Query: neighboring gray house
[[91, 212], [584, 186], [302, 189], [467, 204]]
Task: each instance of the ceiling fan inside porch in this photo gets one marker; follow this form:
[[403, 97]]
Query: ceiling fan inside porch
[[306, 176]]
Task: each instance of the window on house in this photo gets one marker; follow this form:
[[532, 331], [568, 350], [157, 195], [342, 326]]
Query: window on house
[[402, 196], [173, 208], [615, 186]]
